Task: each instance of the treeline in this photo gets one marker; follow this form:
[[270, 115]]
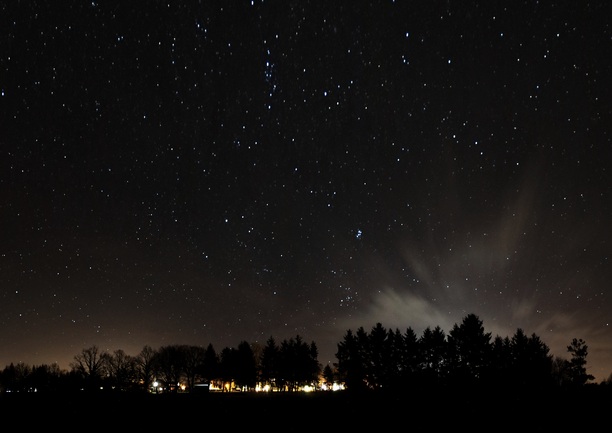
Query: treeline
[[379, 359], [466, 357], [174, 369]]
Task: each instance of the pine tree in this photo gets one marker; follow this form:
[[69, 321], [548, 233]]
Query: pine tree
[[577, 368]]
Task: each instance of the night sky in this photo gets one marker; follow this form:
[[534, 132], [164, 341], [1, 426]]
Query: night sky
[[220, 171]]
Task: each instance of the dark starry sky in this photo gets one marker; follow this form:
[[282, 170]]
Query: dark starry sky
[[220, 171]]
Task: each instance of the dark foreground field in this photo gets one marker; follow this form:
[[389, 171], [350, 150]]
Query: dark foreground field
[[314, 411]]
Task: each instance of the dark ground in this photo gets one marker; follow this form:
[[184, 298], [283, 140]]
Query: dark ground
[[299, 411]]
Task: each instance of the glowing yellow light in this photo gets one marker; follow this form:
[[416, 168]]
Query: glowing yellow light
[[337, 387]]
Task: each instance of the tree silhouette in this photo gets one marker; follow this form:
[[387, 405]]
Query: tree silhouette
[[501, 361], [45, 378], [466, 358], [351, 361], [120, 369], [270, 359], [540, 372], [378, 357], [469, 350], [529, 363], [145, 366], [210, 367], [560, 371], [577, 364], [170, 365], [328, 375], [227, 367], [433, 349], [410, 358], [245, 374], [311, 364], [90, 365], [194, 360], [298, 365], [15, 377]]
